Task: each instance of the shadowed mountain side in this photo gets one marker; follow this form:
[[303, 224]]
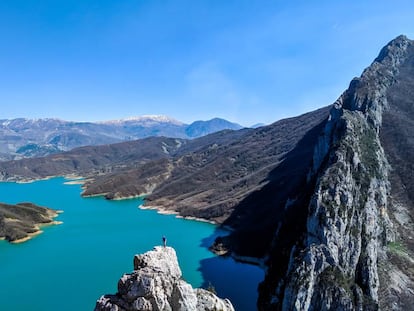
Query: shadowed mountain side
[[203, 178], [208, 176], [397, 138], [348, 255], [315, 197], [397, 135], [209, 183], [142, 179], [274, 208]]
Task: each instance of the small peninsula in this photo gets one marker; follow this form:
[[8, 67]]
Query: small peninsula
[[19, 222]]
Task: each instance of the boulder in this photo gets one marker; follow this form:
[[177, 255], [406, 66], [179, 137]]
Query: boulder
[[156, 285]]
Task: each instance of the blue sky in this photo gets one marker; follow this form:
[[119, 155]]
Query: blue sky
[[246, 61]]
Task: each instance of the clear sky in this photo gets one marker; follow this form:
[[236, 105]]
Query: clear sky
[[246, 61]]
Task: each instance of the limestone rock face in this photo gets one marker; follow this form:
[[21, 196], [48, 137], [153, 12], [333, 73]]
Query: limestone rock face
[[341, 260], [348, 222], [156, 285]]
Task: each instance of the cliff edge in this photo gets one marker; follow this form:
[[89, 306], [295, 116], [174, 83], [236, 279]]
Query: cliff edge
[[156, 284], [354, 251]]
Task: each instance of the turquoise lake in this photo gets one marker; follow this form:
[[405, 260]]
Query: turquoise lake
[[69, 266]]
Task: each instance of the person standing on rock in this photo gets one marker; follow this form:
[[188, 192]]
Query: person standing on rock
[[164, 241]]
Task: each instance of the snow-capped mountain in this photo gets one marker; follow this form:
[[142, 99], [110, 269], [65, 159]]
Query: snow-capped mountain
[[22, 137], [146, 120]]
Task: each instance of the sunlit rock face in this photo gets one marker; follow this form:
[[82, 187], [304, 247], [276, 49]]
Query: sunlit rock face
[[344, 257], [156, 285]]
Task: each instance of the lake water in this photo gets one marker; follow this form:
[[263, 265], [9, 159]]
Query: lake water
[[69, 266]]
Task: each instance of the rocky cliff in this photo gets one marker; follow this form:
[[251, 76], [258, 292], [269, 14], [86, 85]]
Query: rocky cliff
[[348, 238], [156, 285], [325, 199], [329, 209]]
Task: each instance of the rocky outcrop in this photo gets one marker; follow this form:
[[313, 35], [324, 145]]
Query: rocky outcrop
[[156, 285], [334, 265], [326, 199]]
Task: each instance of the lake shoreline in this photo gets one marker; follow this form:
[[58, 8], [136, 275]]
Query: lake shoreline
[[164, 211], [38, 227], [97, 239], [20, 222]]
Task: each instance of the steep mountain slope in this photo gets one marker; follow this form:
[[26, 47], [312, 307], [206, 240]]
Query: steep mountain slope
[[346, 253], [326, 202], [209, 176], [206, 177], [397, 138], [326, 199], [25, 138]]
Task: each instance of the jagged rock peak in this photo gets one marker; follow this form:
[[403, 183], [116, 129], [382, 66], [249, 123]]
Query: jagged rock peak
[[366, 93], [347, 228], [394, 47], [156, 284]]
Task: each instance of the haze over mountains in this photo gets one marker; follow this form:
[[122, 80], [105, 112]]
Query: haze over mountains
[[324, 199], [22, 138]]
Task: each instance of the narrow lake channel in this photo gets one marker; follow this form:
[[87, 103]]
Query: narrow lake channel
[[70, 265]]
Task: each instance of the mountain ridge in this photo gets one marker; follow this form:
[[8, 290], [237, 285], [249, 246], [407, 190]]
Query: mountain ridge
[[145, 118], [171, 170], [325, 199], [28, 138], [344, 255]]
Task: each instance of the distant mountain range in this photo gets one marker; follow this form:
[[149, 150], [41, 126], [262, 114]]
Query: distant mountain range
[[27, 138], [325, 199]]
